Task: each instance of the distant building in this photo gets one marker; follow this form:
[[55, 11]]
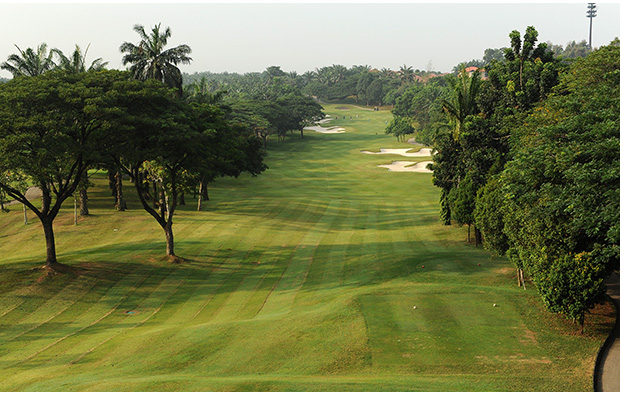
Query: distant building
[[483, 73]]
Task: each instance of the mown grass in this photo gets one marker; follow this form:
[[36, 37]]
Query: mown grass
[[302, 279]]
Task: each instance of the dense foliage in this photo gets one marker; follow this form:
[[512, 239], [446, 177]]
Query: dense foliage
[[362, 83], [53, 127], [562, 188], [530, 158]]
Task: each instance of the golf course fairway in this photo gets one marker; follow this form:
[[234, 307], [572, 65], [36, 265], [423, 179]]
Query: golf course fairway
[[325, 273]]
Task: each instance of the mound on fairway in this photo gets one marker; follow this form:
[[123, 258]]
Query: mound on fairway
[[419, 167]]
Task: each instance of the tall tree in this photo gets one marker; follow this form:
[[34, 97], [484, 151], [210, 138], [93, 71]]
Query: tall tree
[[52, 128], [406, 73], [150, 60], [524, 50], [76, 63], [464, 100], [29, 62], [194, 139]]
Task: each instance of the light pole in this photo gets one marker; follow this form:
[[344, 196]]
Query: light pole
[[591, 13]]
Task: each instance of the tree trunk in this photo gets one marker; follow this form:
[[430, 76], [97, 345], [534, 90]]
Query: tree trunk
[[203, 193], [83, 202], [155, 195], [468, 233], [477, 236], [302, 132], [51, 264], [112, 184], [121, 205], [182, 199], [521, 75], [169, 239], [162, 203]]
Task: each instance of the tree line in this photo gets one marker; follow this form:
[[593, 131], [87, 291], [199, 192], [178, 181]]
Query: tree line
[[528, 158], [61, 117], [336, 82]]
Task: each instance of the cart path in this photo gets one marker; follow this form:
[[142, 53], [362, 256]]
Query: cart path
[[608, 373]]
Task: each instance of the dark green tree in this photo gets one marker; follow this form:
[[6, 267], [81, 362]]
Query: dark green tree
[[399, 127], [52, 128], [302, 111], [76, 63], [562, 211], [462, 202]]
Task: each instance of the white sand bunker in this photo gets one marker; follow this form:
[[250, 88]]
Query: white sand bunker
[[328, 130], [413, 167], [320, 129], [402, 152], [31, 194]]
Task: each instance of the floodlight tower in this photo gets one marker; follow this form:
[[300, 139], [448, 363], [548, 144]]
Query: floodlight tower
[[591, 13]]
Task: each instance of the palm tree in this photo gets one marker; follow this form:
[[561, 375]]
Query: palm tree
[[323, 75], [77, 62], [29, 62], [387, 73], [308, 77], [148, 58], [465, 89], [339, 73], [406, 73]]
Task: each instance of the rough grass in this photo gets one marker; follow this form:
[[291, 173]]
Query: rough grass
[[302, 279]]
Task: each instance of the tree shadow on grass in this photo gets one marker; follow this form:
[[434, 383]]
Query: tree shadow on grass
[[212, 278]]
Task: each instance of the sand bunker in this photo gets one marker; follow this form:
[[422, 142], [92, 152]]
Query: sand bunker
[[413, 167], [31, 194], [328, 130], [402, 151], [320, 129]]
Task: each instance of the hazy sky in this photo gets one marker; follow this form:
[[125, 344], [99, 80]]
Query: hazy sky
[[244, 37]]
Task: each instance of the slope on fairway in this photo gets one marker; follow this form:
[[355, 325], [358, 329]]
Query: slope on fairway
[[302, 279]]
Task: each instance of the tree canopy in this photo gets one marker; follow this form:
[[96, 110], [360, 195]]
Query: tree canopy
[[562, 210], [52, 128]]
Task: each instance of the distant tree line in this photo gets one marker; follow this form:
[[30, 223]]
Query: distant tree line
[[363, 84]]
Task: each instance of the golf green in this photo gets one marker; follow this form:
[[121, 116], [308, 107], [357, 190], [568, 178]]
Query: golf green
[[325, 273]]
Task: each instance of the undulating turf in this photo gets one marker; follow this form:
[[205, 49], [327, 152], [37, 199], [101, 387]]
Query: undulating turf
[[325, 273]]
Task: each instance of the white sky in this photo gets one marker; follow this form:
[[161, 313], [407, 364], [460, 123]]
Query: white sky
[[245, 37]]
